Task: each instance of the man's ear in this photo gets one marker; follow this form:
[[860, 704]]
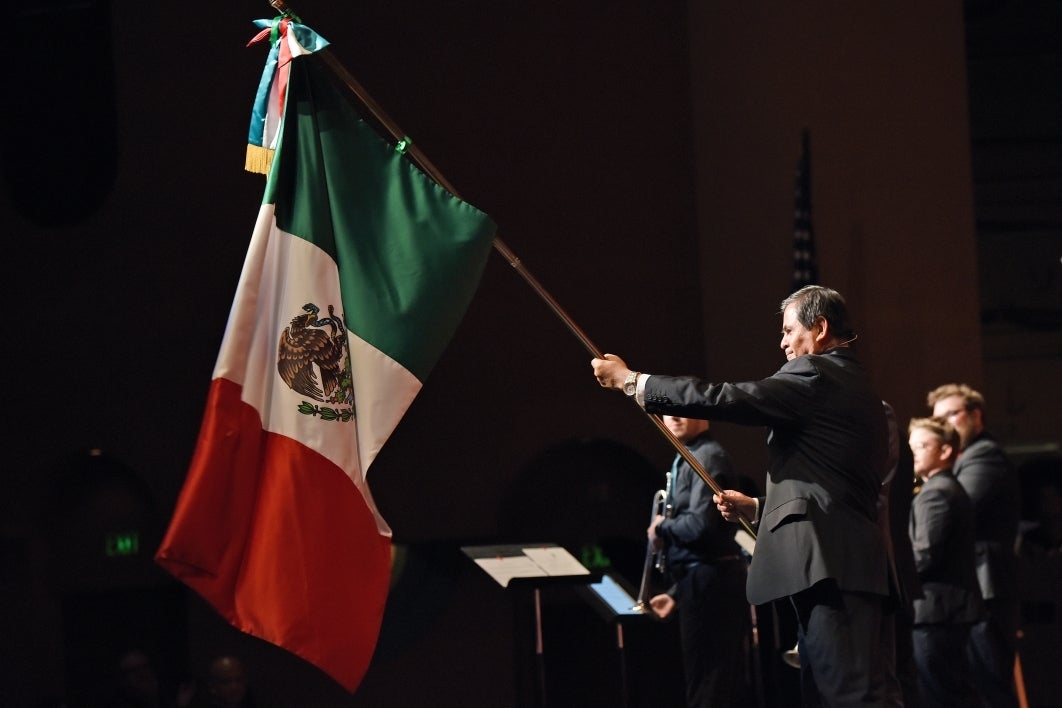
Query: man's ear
[[824, 329]]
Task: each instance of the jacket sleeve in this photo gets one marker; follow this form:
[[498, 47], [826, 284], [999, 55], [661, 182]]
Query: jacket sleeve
[[930, 528], [981, 473], [779, 400]]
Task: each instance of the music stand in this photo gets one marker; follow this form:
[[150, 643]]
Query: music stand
[[614, 602], [531, 566]]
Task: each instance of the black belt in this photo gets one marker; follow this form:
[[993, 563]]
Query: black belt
[[714, 561], [680, 571]]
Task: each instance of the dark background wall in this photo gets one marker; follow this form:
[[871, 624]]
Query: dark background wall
[[638, 158]]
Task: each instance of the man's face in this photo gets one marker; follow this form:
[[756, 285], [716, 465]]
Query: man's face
[[797, 340], [685, 429], [138, 677], [928, 452], [967, 423], [228, 683]]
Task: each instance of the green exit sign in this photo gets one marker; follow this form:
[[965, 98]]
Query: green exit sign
[[125, 543]]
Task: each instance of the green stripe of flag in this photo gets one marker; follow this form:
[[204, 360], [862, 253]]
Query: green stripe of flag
[[409, 253]]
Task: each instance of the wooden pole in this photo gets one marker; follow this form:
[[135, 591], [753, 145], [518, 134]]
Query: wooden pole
[[426, 165]]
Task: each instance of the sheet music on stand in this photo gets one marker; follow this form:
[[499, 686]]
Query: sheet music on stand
[[529, 560], [612, 599]]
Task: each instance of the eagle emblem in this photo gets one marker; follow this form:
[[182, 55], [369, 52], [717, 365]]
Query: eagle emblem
[[312, 359]]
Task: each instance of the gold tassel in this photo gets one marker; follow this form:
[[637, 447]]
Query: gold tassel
[[259, 159]]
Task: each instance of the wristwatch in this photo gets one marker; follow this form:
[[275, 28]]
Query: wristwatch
[[630, 384]]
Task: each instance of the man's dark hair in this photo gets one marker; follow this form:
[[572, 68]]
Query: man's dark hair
[[814, 301]]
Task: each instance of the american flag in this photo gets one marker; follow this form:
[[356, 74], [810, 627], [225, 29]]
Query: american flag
[[805, 267]]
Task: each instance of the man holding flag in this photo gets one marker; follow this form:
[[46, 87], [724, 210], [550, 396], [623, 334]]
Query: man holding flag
[[818, 542]]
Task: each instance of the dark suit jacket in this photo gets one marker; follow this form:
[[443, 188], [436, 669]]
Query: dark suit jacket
[[986, 474], [826, 460], [942, 537]]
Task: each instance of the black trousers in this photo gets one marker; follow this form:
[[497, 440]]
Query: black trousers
[[714, 619], [991, 650], [842, 662], [943, 671]]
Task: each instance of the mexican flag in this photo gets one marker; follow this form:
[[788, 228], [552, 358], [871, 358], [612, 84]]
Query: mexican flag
[[358, 272]]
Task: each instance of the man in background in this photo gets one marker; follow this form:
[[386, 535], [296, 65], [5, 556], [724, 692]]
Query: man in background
[[818, 542], [707, 569], [988, 477], [942, 538]]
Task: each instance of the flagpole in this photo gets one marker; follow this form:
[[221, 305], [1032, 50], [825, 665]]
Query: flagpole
[[415, 153]]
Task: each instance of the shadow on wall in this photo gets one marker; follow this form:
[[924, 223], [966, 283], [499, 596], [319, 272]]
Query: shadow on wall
[[56, 175], [593, 497], [99, 526]]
